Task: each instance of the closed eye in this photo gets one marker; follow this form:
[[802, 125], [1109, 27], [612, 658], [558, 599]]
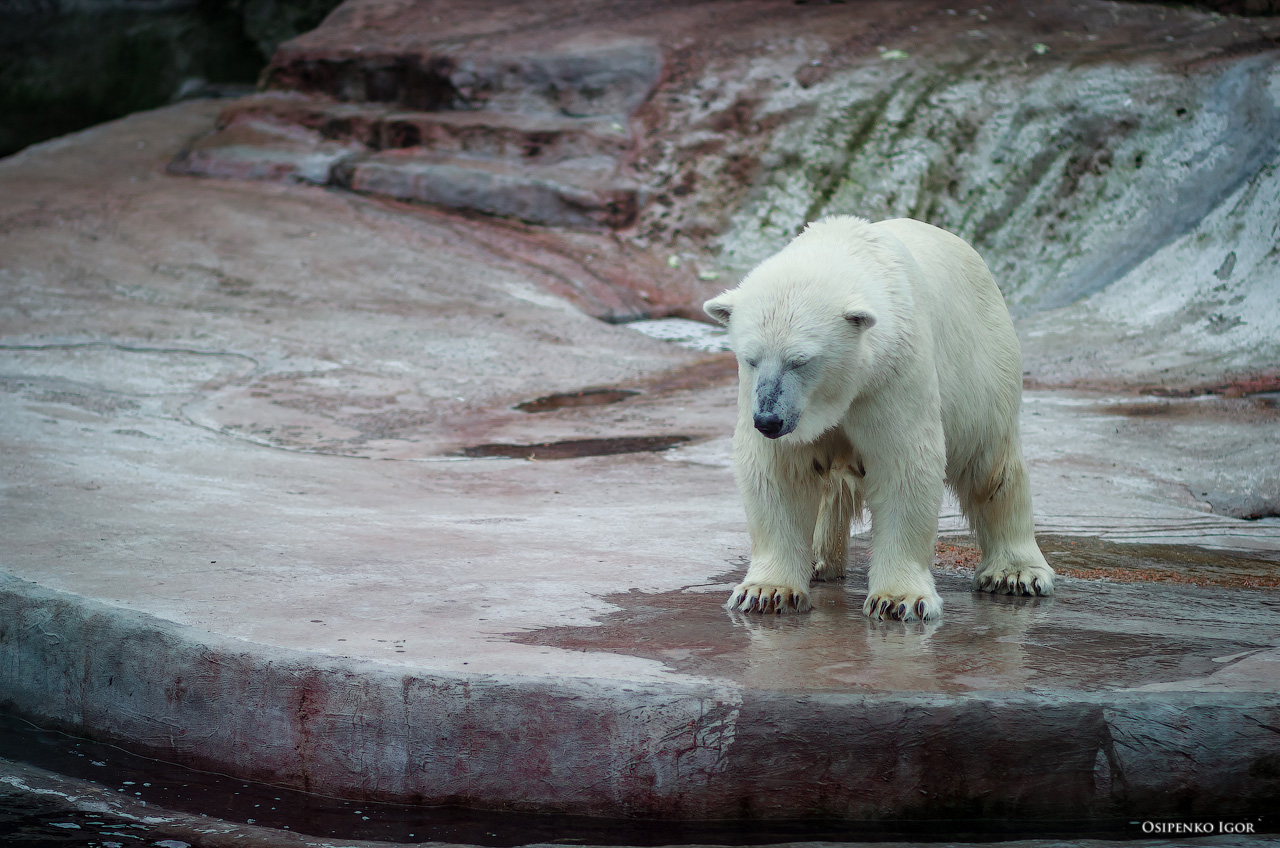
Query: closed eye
[[797, 363]]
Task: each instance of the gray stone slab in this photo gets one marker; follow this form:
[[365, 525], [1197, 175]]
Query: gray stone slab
[[551, 172], [513, 136], [263, 150], [583, 194]]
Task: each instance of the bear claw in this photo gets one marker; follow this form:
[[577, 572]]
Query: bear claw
[[902, 609], [766, 599], [1030, 581]]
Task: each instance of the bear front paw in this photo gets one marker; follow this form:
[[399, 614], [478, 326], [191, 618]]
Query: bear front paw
[[762, 597], [913, 606], [1031, 579]]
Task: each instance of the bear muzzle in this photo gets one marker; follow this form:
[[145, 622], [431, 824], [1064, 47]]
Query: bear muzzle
[[774, 409], [773, 426]]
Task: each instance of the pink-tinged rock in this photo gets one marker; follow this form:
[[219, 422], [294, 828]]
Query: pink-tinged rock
[[261, 150], [507, 135], [589, 75], [504, 135], [582, 194], [331, 119]]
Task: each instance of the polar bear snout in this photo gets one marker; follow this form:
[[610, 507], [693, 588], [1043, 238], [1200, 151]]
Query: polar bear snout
[[776, 410], [772, 425]]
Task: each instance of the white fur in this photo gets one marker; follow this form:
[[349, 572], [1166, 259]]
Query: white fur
[[885, 356]]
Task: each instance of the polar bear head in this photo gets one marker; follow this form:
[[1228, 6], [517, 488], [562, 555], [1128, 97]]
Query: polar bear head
[[813, 325]]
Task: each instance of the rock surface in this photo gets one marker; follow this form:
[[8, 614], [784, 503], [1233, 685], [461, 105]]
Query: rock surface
[[248, 525], [240, 509], [536, 136], [1115, 164]]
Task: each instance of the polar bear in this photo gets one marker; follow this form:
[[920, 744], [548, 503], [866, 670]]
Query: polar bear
[[877, 363]]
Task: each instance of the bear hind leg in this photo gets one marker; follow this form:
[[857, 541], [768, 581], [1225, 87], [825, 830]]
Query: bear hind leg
[[840, 504], [999, 511]]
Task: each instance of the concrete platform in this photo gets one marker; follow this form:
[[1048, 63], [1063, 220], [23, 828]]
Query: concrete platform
[[242, 532]]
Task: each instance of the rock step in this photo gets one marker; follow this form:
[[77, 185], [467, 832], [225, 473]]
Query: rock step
[[585, 77], [584, 193], [504, 135], [542, 170], [263, 150]]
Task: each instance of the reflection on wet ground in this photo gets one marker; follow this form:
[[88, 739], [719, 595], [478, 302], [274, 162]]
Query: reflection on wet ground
[[1094, 635]]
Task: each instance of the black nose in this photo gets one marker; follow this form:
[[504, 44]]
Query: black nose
[[769, 425]]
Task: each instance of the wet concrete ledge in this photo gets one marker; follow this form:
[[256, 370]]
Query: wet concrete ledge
[[708, 750]]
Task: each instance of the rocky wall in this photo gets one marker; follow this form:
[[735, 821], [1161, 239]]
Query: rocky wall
[[1115, 166]]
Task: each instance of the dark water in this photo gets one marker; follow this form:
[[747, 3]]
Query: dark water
[[31, 819], [28, 819]]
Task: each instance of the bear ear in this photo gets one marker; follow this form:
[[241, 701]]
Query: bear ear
[[720, 307], [860, 319]]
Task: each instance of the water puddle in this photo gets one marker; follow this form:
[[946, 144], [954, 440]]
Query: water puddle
[[695, 335], [1255, 385], [983, 642], [573, 448], [1092, 559], [1259, 408], [586, 397]]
